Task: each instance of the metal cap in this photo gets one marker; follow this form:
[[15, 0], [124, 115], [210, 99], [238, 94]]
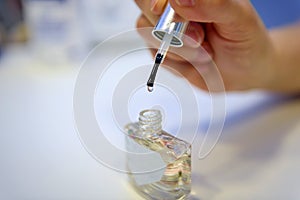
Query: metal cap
[[166, 24]]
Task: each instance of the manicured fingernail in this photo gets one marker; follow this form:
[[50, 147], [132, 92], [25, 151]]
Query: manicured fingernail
[[193, 39], [153, 3], [186, 2]]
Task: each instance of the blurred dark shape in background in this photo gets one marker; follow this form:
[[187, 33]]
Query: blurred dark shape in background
[[12, 26], [58, 32]]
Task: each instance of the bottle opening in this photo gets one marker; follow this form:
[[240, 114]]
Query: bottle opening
[[150, 121]]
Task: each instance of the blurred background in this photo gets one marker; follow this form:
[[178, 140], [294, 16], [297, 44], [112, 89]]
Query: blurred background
[[64, 29], [42, 45]]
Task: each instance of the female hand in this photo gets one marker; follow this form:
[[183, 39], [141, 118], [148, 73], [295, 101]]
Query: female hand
[[232, 33]]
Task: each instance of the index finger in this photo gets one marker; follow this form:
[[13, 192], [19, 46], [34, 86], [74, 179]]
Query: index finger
[[152, 9], [233, 19]]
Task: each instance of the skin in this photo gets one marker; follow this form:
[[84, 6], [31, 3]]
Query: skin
[[248, 56]]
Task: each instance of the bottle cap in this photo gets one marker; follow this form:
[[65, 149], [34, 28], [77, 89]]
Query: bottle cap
[[166, 24]]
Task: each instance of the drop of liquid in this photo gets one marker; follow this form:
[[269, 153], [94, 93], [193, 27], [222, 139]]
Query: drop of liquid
[[150, 88]]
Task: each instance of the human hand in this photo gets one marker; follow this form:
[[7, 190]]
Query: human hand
[[230, 31]]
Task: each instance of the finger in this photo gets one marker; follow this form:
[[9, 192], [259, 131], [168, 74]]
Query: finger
[[193, 55], [187, 71], [143, 22], [201, 54], [157, 6], [178, 62], [153, 43], [233, 19], [152, 9], [194, 35], [144, 5], [143, 29], [192, 72], [197, 56]]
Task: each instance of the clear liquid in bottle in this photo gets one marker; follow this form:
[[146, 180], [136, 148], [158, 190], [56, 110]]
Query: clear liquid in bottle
[[173, 180]]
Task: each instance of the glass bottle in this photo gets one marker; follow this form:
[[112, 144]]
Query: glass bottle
[[173, 179]]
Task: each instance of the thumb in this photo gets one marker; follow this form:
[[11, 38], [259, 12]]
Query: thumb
[[233, 19]]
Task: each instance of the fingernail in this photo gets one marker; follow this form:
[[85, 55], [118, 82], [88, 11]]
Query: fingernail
[[193, 39], [153, 3], [186, 2]]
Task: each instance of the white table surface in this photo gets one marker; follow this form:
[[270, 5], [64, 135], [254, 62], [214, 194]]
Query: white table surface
[[41, 156]]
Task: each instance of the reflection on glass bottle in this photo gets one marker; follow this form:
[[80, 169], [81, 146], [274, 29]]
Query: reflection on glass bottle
[[174, 181]]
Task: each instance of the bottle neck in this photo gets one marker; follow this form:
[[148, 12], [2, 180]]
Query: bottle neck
[[150, 122]]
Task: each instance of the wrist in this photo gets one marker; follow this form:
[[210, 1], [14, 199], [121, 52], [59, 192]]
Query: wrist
[[284, 68]]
